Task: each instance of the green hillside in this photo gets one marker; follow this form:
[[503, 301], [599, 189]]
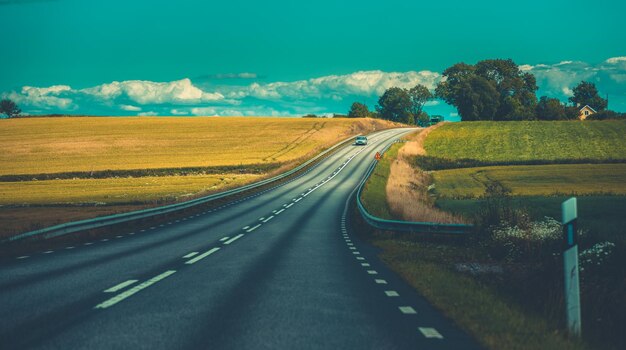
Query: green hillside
[[533, 141]]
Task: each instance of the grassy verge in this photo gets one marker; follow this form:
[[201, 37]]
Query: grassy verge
[[602, 216], [374, 196], [20, 219], [477, 307]]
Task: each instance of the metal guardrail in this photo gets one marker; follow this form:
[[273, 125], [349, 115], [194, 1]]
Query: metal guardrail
[[405, 226], [89, 224]]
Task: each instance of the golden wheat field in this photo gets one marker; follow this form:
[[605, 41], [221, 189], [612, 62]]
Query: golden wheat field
[[82, 145], [117, 190], [57, 145]]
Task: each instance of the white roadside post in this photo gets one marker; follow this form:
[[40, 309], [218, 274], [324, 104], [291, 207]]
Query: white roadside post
[[570, 265]]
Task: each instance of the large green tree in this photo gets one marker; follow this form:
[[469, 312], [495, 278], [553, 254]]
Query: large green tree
[[550, 109], [490, 90], [358, 110], [419, 95], [9, 108], [395, 105], [586, 93]]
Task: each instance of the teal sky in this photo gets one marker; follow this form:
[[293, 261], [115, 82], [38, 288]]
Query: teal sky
[[83, 44]]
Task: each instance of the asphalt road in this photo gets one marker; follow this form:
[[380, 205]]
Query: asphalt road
[[278, 270]]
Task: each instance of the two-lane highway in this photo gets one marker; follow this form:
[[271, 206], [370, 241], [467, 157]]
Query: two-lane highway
[[280, 269]]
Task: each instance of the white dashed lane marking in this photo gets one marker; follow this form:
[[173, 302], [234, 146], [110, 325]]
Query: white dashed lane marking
[[430, 332], [289, 205], [372, 272], [392, 293], [22, 257], [378, 281], [268, 219], [253, 228], [407, 310], [49, 252], [120, 286], [279, 211], [225, 238], [116, 299], [234, 238], [190, 255], [202, 256]]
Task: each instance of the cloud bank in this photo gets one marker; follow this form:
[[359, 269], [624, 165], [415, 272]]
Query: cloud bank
[[322, 95]]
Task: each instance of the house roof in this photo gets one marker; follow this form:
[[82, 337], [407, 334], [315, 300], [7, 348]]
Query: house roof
[[587, 106]]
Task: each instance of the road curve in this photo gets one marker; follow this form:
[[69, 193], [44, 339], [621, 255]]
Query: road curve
[[280, 269]]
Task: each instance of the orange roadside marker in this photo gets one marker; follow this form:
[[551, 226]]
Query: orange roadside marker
[[377, 156]]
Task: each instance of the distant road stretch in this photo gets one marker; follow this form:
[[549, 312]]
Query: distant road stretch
[[277, 270]]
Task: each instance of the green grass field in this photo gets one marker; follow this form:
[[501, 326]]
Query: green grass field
[[533, 180], [529, 141]]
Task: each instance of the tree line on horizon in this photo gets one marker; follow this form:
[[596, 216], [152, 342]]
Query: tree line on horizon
[[494, 89]]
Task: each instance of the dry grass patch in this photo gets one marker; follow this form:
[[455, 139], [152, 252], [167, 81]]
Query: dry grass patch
[[407, 187], [17, 220]]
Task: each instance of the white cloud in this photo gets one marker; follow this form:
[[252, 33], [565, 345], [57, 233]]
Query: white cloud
[[149, 92], [177, 111], [318, 95], [363, 83], [130, 108], [46, 98], [203, 111], [147, 114], [567, 91], [616, 60]]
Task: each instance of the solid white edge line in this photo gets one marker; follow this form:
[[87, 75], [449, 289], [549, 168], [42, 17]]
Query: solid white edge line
[[202, 256], [122, 285], [116, 299], [234, 238]]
